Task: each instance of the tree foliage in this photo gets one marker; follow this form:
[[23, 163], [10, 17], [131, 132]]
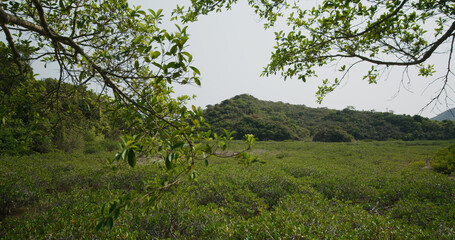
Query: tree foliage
[[126, 52], [40, 116], [381, 34], [35, 118]]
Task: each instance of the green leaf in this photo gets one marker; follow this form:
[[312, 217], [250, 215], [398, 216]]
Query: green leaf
[[190, 57], [113, 206], [154, 54], [61, 4], [206, 162], [116, 212], [110, 222], [157, 65], [168, 163], [207, 148], [136, 65], [118, 156], [197, 81], [131, 158], [177, 145], [195, 70], [124, 154], [99, 225], [173, 50]]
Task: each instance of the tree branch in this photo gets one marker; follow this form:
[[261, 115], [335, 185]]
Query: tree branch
[[376, 24], [16, 55], [424, 57]]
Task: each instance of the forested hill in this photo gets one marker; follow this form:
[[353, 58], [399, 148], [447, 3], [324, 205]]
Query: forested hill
[[281, 121]]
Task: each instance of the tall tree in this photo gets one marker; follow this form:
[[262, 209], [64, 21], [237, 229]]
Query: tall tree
[[126, 51]]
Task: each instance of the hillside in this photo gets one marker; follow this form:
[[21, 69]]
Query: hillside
[[281, 121], [447, 115]]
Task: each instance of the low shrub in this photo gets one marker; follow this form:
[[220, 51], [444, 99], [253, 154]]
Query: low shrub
[[109, 145], [92, 147], [417, 164], [444, 160], [332, 135], [282, 155]]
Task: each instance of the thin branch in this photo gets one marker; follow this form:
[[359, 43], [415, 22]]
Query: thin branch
[[445, 78], [16, 56], [427, 54], [376, 24]]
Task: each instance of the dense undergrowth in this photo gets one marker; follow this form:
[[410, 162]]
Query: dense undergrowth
[[306, 190]]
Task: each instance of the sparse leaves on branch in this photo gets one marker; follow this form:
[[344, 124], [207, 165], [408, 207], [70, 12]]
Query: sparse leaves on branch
[[403, 34], [383, 34]]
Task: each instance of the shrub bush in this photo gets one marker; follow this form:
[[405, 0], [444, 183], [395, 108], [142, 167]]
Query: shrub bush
[[444, 160], [110, 145], [417, 164], [13, 140], [70, 140], [332, 135]]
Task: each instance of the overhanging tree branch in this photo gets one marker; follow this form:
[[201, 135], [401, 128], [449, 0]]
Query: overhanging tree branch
[[16, 55], [450, 32]]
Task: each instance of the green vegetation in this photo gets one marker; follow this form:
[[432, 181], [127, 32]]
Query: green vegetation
[[360, 190], [133, 60], [46, 115], [309, 190], [444, 160], [332, 134], [280, 121]]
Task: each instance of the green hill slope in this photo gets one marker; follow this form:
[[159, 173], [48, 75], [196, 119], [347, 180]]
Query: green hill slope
[[281, 121]]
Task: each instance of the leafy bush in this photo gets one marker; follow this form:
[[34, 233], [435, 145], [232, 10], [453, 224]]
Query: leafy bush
[[30, 124], [332, 134], [92, 147], [69, 140], [13, 140], [282, 155], [109, 145], [417, 164], [90, 135], [444, 160]]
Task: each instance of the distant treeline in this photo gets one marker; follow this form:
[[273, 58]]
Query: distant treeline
[[281, 121]]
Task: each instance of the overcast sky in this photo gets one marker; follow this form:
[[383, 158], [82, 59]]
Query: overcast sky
[[231, 49]]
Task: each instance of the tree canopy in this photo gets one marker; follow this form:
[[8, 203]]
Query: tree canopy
[[382, 34], [126, 52]]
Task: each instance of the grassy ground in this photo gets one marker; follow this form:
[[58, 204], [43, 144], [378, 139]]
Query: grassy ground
[[305, 190]]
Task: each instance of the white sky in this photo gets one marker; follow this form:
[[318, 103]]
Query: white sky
[[231, 49]]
